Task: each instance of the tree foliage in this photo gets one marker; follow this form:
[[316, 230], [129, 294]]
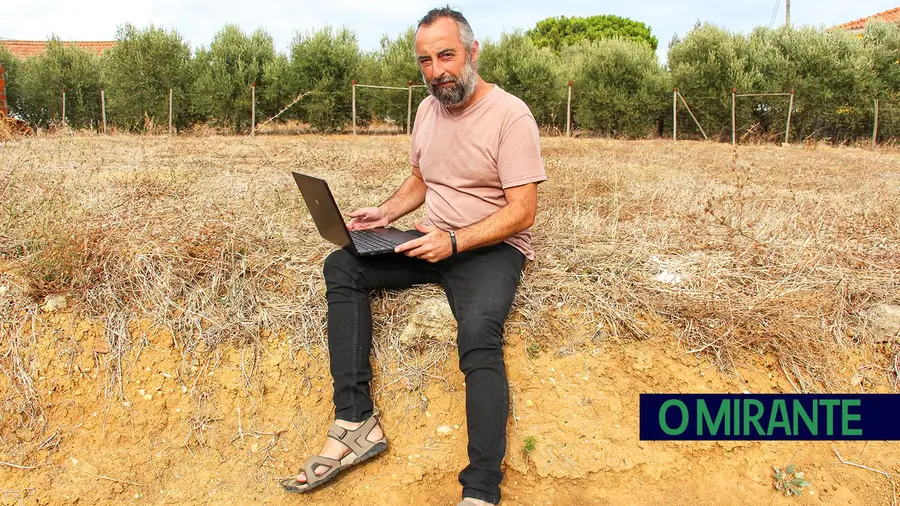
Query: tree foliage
[[41, 82], [225, 73], [528, 72], [140, 70], [619, 89], [558, 32], [324, 62]]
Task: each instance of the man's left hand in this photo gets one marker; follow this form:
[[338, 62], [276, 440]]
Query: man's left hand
[[434, 246]]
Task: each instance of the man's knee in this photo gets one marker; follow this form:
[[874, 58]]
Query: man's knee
[[340, 265], [480, 342]]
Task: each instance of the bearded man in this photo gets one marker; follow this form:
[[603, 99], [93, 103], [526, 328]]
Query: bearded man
[[476, 163]]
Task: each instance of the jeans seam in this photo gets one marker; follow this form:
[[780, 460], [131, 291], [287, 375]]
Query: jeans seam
[[355, 377]]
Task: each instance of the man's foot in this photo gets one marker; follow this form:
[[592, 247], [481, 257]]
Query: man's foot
[[336, 450]]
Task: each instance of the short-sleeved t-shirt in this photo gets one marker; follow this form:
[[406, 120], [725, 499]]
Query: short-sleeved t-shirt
[[468, 158]]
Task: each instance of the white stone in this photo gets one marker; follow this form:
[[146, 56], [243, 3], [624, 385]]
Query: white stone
[[54, 303]]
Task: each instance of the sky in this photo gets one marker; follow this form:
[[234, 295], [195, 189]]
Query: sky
[[199, 20]]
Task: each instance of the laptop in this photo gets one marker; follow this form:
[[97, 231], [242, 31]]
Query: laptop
[[331, 225]]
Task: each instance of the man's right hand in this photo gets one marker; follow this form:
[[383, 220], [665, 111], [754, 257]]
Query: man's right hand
[[366, 218]]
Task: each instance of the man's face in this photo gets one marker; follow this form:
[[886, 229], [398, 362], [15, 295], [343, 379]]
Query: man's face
[[448, 71]]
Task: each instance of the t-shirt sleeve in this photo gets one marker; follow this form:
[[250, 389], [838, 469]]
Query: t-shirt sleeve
[[519, 160]]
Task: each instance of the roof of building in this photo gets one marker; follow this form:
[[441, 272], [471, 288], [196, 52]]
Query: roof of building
[[28, 48], [890, 16]]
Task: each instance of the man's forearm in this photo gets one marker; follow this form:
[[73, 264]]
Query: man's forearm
[[405, 200], [496, 228]]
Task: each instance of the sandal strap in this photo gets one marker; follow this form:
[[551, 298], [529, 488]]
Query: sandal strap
[[354, 439], [316, 461]]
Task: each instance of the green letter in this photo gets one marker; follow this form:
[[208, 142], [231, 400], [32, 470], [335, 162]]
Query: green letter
[[684, 417], [847, 417], [704, 417], [737, 417], [754, 418], [779, 408], [799, 412], [829, 417]]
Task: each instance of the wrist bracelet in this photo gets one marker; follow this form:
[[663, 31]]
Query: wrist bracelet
[[453, 241]]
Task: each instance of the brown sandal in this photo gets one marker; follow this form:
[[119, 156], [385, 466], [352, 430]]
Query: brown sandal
[[361, 450]]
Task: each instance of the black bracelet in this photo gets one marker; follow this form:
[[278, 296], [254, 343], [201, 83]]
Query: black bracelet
[[453, 241]]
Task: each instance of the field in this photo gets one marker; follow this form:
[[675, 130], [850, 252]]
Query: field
[[162, 321]]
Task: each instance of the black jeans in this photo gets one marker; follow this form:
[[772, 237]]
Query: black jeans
[[480, 286]]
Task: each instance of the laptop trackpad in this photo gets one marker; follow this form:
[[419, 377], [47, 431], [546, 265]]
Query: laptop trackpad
[[399, 236]]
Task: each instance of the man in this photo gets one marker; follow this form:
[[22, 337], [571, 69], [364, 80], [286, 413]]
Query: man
[[475, 165]]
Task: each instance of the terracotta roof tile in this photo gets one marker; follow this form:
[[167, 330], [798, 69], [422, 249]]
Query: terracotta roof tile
[[28, 48], [889, 16]]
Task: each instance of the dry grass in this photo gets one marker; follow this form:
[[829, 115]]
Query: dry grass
[[763, 250]]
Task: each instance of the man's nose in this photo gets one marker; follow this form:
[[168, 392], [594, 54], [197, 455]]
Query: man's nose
[[437, 69]]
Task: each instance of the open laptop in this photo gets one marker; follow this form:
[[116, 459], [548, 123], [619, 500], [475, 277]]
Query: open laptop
[[331, 225]]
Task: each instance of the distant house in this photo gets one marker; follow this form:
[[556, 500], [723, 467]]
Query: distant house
[[27, 48], [859, 26]]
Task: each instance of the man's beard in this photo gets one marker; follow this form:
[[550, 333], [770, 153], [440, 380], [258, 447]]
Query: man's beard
[[460, 91]]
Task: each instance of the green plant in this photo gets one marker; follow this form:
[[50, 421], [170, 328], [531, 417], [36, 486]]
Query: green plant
[[140, 70], [324, 62], [225, 72], [557, 32], [528, 72], [789, 480], [41, 82], [533, 350], [620, 87], [529, 445]]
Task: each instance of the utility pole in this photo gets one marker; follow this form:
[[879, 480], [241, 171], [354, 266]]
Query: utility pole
[[787, 13]]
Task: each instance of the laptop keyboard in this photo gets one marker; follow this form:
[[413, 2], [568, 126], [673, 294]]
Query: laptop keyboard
[[366, 240]]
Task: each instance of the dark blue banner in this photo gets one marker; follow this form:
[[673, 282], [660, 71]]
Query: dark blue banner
[[770, 417]]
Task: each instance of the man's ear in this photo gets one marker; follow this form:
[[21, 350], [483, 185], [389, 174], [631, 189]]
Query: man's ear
[[476, 50]]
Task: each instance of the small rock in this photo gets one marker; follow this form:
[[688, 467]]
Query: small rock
[[565, 351], [142, 392], [884, 320], [444, 430], [3, 289], [254, 447], [183, 389], [54, 303], [148, 397], [101, 346], [431, 320], [126, 404], [428, 414], [529, 403], [855, 380]]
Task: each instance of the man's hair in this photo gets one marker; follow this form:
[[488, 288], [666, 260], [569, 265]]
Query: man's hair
[[465, 30]]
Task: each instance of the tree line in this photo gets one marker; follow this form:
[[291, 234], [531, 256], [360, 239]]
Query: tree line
[[619, 86]]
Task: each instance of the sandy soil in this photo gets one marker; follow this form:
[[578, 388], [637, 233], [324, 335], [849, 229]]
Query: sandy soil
[[241, 429]]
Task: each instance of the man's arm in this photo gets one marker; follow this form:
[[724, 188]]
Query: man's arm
[[406, 199], [516, 216]]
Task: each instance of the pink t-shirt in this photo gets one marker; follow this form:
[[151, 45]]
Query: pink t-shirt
[[467, 159]]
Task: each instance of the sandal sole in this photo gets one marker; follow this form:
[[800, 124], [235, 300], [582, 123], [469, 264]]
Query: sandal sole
[[375, 450]]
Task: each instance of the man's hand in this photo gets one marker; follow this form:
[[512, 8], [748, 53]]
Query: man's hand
[[434, 246], [366, 218]]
